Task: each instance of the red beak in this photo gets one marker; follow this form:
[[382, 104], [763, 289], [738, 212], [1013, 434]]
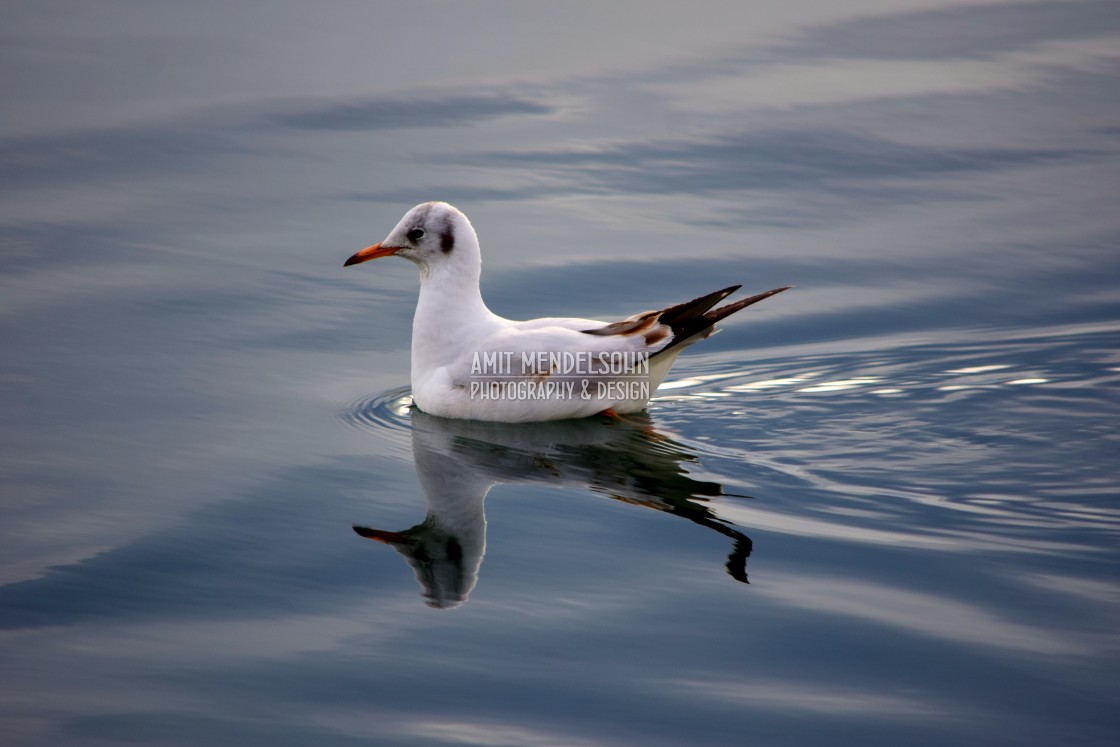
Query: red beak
[[371, 252], [385, 538]]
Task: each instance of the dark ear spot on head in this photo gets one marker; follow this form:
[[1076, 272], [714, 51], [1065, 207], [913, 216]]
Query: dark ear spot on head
[[447, 240]]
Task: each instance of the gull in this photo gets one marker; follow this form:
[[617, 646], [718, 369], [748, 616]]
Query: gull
[[469, 363], [458, 462]]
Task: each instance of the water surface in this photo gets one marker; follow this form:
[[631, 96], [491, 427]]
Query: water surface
[[879, 508]]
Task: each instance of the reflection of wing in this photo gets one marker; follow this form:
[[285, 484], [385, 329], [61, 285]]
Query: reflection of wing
[[458, 461]]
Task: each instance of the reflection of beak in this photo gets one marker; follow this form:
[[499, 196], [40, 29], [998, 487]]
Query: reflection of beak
[[388, 538], [371, 252]]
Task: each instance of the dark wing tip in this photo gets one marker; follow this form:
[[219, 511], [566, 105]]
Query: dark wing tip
[[687, 326], [685, 319], [724, 311]]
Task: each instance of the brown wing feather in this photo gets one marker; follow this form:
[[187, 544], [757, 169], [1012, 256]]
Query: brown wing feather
[[686, 320]]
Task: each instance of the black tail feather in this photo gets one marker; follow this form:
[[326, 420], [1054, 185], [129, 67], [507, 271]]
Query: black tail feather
[[683, 313], [692, 318]]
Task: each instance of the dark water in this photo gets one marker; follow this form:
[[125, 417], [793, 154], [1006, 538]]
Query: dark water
[[881, 508]]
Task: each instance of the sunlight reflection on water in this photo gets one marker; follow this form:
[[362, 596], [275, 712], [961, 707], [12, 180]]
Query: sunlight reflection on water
[[900, 461]]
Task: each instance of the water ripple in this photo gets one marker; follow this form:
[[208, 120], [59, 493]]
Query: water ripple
[[384, 414], [953, 447], [1000, 445]]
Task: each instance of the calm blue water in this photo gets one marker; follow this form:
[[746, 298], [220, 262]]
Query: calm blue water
[[881, 508]]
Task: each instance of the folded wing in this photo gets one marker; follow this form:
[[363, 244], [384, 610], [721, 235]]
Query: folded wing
[[684, 322]]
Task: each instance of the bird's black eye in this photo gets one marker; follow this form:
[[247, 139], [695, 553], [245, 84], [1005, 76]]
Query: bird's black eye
[[416, 234]]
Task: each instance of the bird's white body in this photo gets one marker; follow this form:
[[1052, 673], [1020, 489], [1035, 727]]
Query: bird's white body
[[468, 362]]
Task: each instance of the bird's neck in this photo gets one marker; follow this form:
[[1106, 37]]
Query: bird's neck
[[450, 313], [449, 295]]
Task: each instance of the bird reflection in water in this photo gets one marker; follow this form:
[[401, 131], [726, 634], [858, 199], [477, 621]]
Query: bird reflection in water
[[458, 461]]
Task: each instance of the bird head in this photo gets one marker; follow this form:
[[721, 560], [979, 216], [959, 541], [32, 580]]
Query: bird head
[[429, 235]]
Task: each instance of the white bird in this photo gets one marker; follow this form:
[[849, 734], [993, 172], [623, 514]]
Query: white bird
[[470, 363], [459, 461]]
